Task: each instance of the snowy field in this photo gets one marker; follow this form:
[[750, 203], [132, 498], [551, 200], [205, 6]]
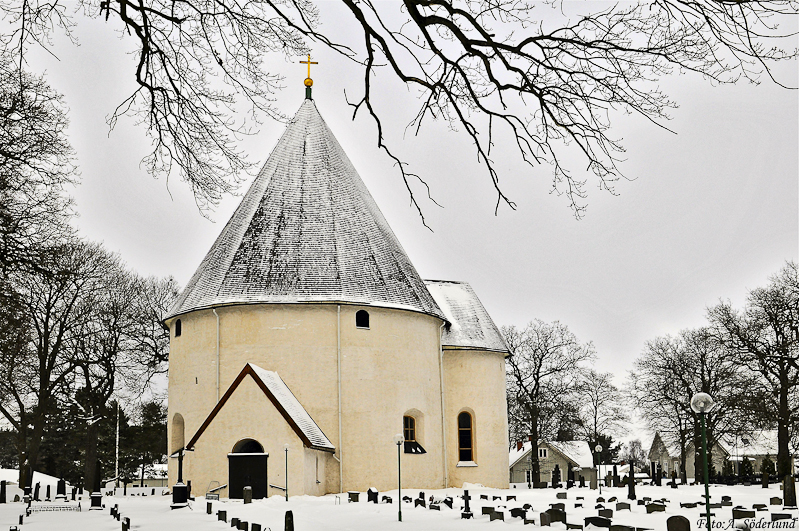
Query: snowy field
[[332, 512]]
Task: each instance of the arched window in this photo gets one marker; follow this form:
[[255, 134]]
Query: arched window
[[465, 439], [409, 428], [362, 319], [177, 433], [248, 446], [178, 328]]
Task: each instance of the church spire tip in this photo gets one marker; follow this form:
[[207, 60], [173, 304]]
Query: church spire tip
[[308, 81]]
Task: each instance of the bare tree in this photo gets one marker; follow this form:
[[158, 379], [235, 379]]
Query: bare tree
[[766, 337], [549, 80], [36, 162], [543, 371], [602, 408]]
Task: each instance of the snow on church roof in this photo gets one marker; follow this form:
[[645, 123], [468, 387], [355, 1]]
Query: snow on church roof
[[470, 325], [307, 231], [284, 401]]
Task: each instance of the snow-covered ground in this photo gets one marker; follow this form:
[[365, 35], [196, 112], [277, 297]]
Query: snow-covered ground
[[332, 512]]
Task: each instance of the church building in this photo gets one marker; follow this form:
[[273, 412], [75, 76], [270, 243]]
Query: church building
[[306, 340]]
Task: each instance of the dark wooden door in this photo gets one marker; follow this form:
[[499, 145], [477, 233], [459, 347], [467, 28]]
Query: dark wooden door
[[247, 470]]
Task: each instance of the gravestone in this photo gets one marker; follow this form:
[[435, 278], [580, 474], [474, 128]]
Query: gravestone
[[765, 479], [247, 494], [597, 521], [573, 526], [612, 499], [209, 508], [775, 501], [570, 478], [622, 506], [569, 484], [509, 498], [387, 499], [561, 495], [255, 527], [435, 506], [96, 495], [655, 508], [61, 490], [126, 524], [47, 494], [36, 493], [496, 515], [659, 475], [559, 506], [789, 492], [371, 495], [495, 498], [738, 514], [593, 482], [619, 527], [615, 476], [234, 523], [407, 499], [631, 484], [599, 506], [688, 505], [244, 525], [419, 501], [759, 507], [289, 521], [467, 512], [484, 496], [544, 518], [780, 516], [448, 501], [577, 505], [556, 515], [678, 523], [582, 482], [556, 477], [3, 491], [518, 512], [487, 509], [352, 496], [607, 513], [600, 499], [221, 516]]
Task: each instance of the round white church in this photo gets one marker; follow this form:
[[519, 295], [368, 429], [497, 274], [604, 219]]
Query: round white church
[[306, 340]]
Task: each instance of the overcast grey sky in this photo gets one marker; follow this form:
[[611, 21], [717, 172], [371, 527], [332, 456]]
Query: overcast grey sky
[[711, 212]]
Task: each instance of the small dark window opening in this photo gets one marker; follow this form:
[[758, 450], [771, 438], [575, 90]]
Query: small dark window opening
[[362, 319], [178, 328], [248, 446], [465, 442], [409, 428]]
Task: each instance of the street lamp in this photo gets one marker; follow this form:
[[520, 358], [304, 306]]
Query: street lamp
[[702, 403], [286, 449], [598, 449], [398, 440]]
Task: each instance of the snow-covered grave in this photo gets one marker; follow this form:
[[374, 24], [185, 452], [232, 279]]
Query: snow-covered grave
[[333, 512]]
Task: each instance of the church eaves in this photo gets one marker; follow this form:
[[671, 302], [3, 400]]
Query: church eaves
[[307, 231]]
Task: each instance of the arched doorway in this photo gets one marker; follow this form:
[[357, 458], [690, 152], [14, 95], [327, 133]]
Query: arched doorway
[[247, 468]]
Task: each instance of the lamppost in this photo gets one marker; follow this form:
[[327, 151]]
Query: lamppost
[[702, 403], [598, 449], [286, 449], [398, 440]]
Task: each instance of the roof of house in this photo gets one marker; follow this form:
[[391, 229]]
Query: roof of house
[[469, 326], [284, 401], [307, 231], [578, 452], [760, 443]]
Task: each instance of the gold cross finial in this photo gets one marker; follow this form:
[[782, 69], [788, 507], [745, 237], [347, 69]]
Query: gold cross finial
[[308, 80]]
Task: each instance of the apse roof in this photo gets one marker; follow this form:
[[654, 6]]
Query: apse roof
[[307, 231], [469, 326], [284, 401]]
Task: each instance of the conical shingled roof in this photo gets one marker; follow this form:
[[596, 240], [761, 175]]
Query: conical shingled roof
[[307, 231]]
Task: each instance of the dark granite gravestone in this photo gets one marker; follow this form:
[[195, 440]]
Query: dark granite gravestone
[[244, 525], [234, 522], [619, 527], [467, 512], [448, 501], [599, 506], [96, 495], [615, 476], [289, 521], [36, 493], [559, 506], [496, 515], [678, 523], [509, 498], [759, 507], [765, 479], [631, 484], [655, 508], [407, 499], [780, 516], [126, 524], [61, 490], [597, 521], [641, 502], [486, 510], [622, 506], [246, 494], [561, 495], [578, 505], [209, 508], [435, 506], [659, 475], [484, 496], [518, 512], [573, 526], [352, 496], [556, 477], [688, 505], [255, 527], [387, 499], [606, 513], [544, 518], [47, 494], [3, 491], [419, 501], [74, 492], [738, 514], [371, 495], [726, 498], [612, 499], [495, 498], [775, 501], [221, 516], [556, 515]]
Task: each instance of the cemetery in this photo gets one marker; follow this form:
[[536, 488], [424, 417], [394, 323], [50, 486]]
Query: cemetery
[[656, 508]]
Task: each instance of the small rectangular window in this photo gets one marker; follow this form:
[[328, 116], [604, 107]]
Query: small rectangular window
[[542, 453]]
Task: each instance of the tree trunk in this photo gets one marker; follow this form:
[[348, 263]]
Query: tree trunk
[[91, 456], [783, 421]]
